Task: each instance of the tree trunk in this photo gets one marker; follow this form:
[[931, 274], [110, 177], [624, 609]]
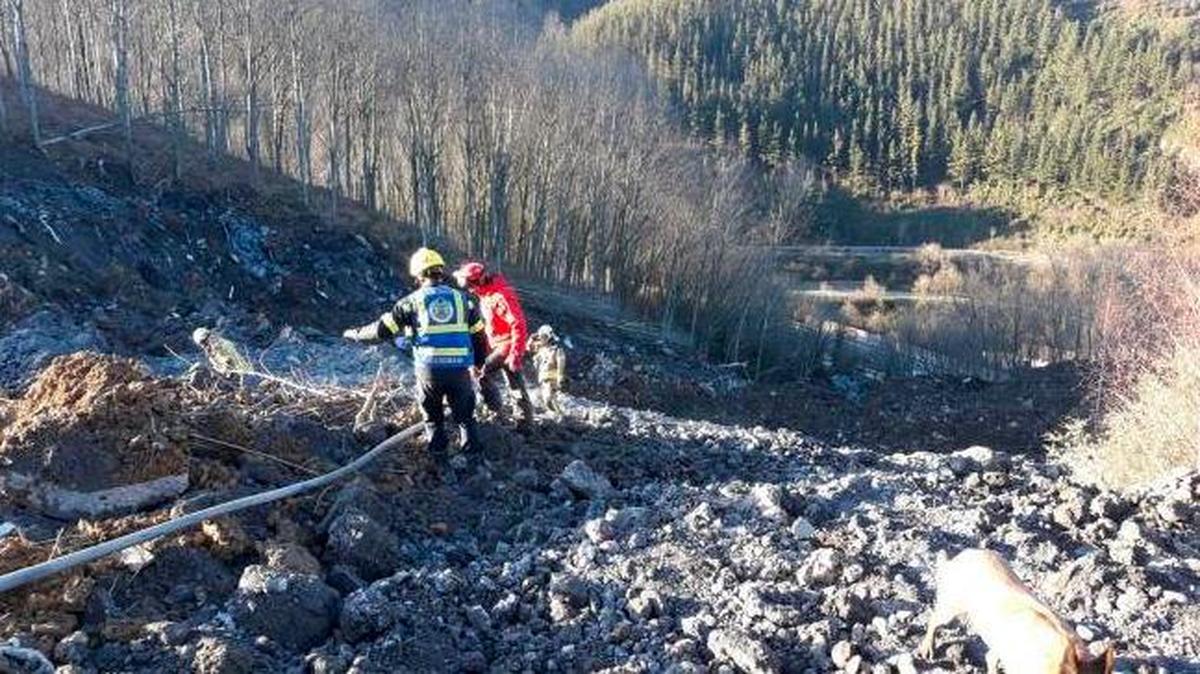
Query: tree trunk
[[121, 69], [3, 114], [207, 88], [5, 49], [28, 86], [303, 136], [176, 102], [252, 112]]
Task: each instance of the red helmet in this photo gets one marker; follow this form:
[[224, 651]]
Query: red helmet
[[470, 273]]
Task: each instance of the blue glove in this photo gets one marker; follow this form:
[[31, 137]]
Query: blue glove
[[401, 342]]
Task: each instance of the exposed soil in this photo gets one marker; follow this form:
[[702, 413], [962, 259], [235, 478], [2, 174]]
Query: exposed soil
[[89, 423]]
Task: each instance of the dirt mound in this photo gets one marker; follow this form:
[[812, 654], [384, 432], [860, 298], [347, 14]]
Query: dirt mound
[[90, 424]]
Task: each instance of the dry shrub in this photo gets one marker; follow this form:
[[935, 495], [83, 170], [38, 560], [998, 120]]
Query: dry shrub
[[1148, 384], [868, 307], [987, 316]]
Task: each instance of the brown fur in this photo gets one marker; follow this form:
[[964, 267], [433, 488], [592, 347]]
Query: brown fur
[[1023, 635]]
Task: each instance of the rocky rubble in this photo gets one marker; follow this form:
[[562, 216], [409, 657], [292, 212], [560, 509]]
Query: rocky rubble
[[628, 541]]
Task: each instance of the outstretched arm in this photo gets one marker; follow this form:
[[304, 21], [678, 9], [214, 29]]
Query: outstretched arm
[[387, 327]]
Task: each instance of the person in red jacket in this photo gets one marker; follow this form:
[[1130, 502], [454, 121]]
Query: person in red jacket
[[507, 335]]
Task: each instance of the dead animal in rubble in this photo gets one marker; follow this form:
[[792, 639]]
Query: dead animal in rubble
[[1023, 635]]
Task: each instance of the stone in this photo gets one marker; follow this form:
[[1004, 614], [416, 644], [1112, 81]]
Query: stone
[[821, 568], [802, 529], [598, 530], [743, 651], [1111, 506], [561, 610], [295, 610], [222, 656], [1130, 532], [572, 589], [362, 544], [73, 649], [697, 626], [326, 663], [372, 610], [645, 605], [841, 653], [626, 519], [1133, 600], [1175, 508], [983, 458], [343, 579], [768, 498], [584, 482], [479, 618], [291, 557], [1071, 510], [531, 479]]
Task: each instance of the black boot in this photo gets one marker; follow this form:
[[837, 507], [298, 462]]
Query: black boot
[[435, 435]]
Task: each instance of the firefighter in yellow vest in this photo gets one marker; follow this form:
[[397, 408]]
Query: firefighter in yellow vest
[[550, 360], [446, 333]]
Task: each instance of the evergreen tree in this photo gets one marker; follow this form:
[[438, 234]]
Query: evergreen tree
[[801, 75]]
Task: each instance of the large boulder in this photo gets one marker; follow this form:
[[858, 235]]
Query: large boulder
[[295, 610], [362, 544]]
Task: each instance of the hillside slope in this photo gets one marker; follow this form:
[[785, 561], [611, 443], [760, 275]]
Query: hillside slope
[[91, 259]]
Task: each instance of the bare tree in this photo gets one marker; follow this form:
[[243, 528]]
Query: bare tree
[[300, 98], [24, 70], [120, 55], [175, 95], [250, 62]]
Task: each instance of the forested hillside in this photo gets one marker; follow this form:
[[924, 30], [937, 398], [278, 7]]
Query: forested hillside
[[913, 93]]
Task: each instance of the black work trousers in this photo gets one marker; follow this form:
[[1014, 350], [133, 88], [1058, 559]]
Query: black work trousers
[[435, 389], [491, 386]]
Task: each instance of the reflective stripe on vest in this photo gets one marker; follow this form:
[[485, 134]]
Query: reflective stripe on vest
[[443, 339]]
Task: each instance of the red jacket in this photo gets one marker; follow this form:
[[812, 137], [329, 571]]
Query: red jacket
[[503, 319]]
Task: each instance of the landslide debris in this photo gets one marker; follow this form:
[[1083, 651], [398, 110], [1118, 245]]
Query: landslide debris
[[614, 540], [91, 423]]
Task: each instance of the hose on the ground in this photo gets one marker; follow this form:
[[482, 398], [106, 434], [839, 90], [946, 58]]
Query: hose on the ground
[[29, 574]]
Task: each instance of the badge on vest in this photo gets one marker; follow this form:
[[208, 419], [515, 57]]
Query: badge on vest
[[441, 311]]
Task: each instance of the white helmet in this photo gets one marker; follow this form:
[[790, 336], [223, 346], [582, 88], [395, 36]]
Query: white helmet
[[200, 336], [545, 332]]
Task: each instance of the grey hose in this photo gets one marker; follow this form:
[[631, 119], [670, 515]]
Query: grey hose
[[29, 574]]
